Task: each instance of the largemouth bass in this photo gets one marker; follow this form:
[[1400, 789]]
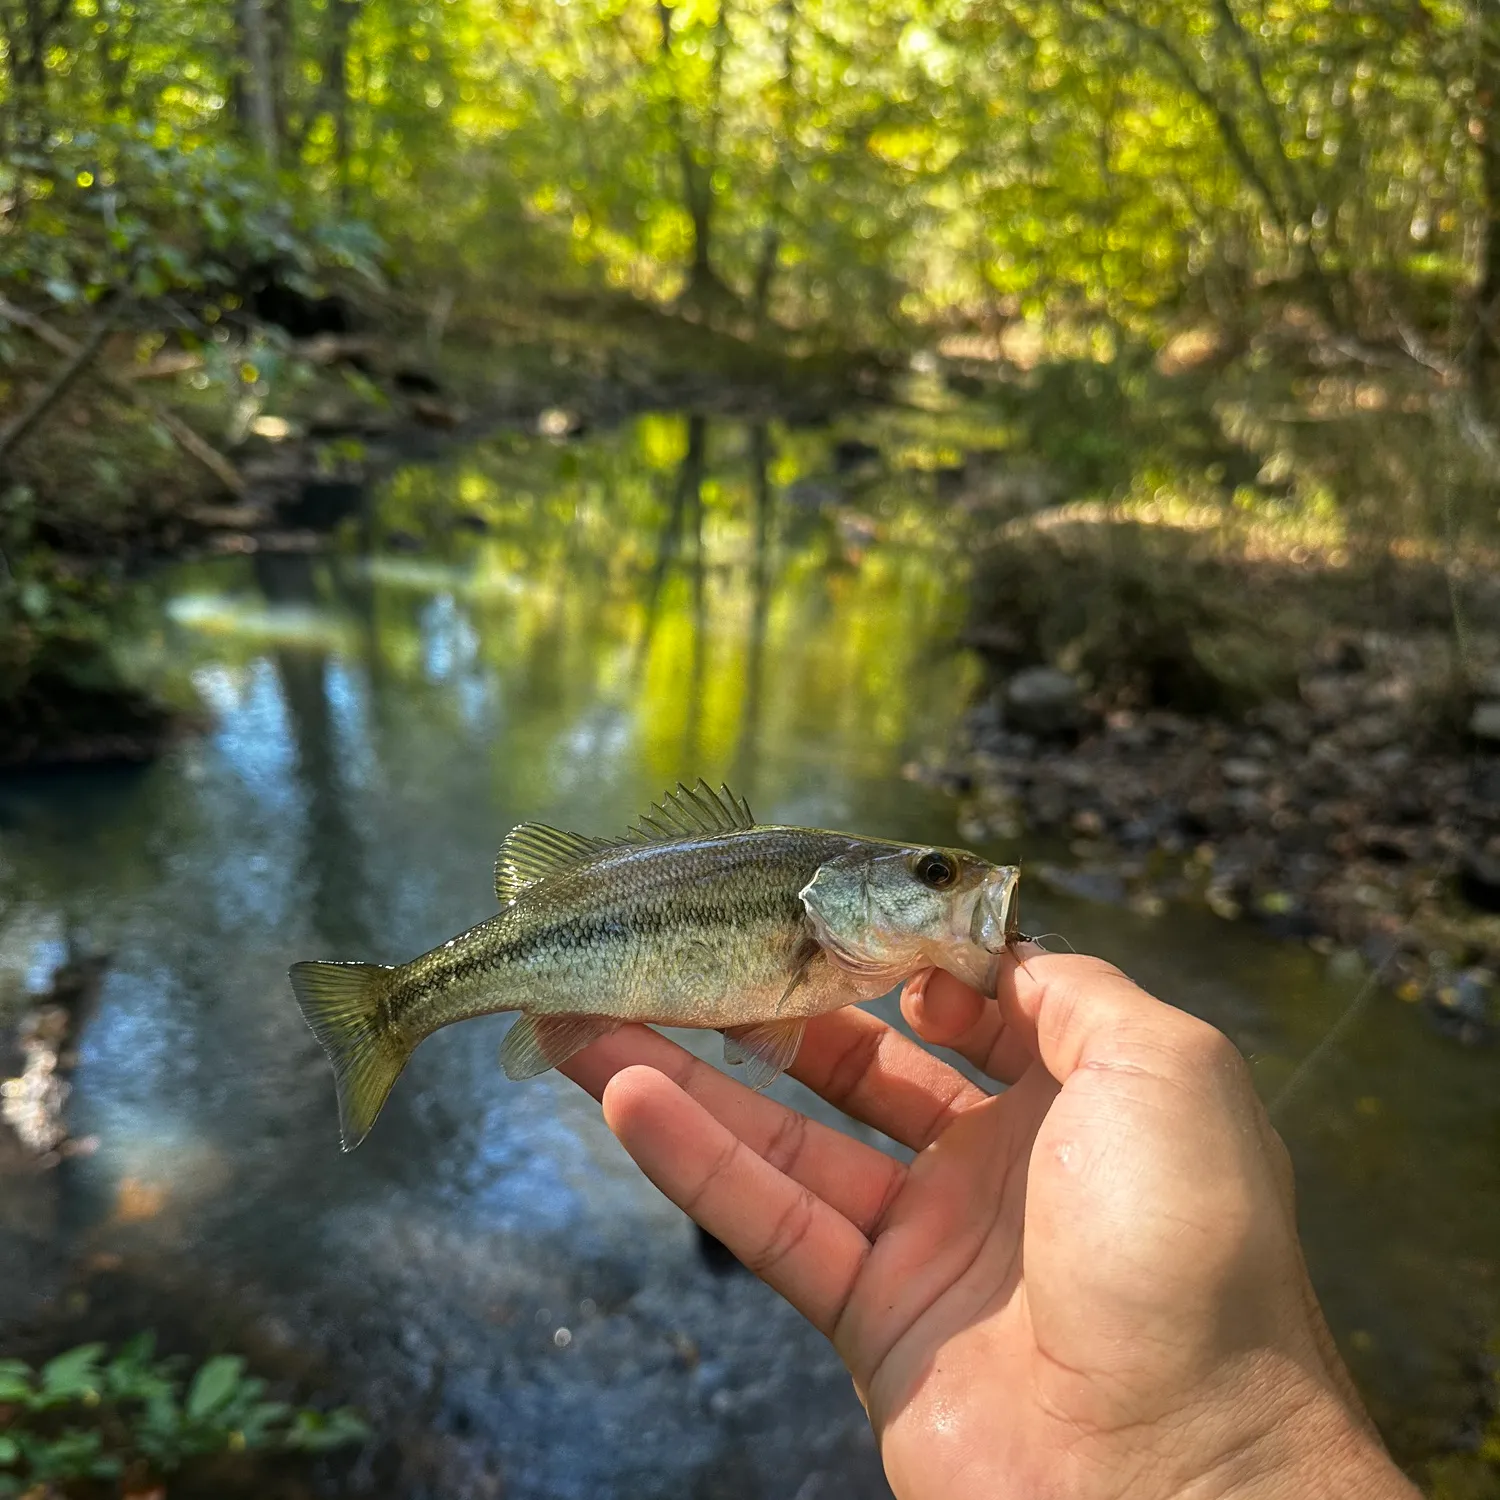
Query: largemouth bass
[[696, 916]]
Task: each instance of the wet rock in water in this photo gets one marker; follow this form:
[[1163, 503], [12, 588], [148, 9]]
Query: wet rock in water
[[1479, 880], [1044, 701], [1484, 722], [1244, 771], [1462, 1006], [414, 382], [433, 411]]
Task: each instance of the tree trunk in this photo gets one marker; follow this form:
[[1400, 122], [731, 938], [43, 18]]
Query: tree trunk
[[770, 244], [29, 29], [696, 168], [255, 92], [1484, 126], [341, 19]]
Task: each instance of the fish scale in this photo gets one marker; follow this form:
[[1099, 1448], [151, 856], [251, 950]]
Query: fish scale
[[696, 917]]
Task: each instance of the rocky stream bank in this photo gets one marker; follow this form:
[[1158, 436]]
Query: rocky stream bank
[[1339, 817]]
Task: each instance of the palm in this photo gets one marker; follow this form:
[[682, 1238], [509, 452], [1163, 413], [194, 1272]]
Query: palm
[[1069, 1287], [914, 1272]]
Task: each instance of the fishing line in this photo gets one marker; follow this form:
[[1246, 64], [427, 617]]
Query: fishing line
[[1335, 1033], [1042, 937], [1356, 1007]]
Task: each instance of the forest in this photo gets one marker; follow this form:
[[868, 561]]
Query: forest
[[207, 209], [815, 174]]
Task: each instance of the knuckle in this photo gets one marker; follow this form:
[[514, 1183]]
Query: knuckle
[[1204, 1046], [784, 1149], [716, 1170], [947, 1110], [788, 1232], [853, 1064]]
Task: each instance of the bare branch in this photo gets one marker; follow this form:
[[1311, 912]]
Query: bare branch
[[183, 435], [1224, 122], [83, 356]]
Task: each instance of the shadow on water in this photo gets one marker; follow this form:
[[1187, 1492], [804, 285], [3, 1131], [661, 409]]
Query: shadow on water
[[560, 631]]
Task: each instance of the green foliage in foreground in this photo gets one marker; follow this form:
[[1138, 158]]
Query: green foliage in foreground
[[83, 1417]]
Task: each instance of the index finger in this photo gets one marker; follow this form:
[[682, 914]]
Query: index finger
[[855, 1179]]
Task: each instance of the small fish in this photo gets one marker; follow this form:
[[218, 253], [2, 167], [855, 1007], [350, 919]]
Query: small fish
[[696, 916]]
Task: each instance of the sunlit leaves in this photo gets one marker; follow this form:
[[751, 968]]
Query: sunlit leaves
[[846, 164]]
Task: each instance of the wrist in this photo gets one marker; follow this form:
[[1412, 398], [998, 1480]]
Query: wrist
[[1306, 1443]]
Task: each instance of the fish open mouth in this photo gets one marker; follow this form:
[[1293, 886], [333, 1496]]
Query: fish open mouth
[[995, 923]]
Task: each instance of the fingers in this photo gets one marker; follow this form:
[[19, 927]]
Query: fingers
[[1080, 1012], [870, 1071], [790, 1238], [854, 1179], [948, 1013]]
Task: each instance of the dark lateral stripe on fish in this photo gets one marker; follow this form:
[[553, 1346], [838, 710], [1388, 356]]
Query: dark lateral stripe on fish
[[566, 933]]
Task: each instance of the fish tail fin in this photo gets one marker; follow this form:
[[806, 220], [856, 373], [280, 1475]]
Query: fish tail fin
[[341, 1002]]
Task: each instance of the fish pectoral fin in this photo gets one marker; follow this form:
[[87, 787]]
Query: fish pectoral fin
[[765, 1050], [536, 1043], [532, 850], [803, 958]]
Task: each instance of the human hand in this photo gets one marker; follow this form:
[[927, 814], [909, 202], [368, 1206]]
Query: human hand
[[1087, 1286]]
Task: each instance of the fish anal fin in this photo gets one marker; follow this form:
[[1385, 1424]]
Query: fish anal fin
[[693, 812], [533, 850], [765, 1050], [341, 1002], [536, 1043]]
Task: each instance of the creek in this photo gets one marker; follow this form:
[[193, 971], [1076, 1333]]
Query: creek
[[559, 630]]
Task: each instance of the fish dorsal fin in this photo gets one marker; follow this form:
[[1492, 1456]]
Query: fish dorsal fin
[[532, 850], [693, 812]]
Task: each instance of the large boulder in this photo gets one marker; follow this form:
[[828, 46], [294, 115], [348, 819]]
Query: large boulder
[[1484, 722], [1044, 701]]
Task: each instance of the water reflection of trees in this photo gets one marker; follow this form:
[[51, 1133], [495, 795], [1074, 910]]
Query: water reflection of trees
[[649, 582], [331, 845]]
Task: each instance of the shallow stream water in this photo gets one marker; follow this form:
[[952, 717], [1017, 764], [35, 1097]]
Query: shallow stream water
[[559, 631]]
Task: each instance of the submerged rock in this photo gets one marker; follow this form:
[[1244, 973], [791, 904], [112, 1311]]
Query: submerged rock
[[1461, 1005]]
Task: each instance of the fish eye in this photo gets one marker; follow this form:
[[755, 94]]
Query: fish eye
[[935, 869]]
